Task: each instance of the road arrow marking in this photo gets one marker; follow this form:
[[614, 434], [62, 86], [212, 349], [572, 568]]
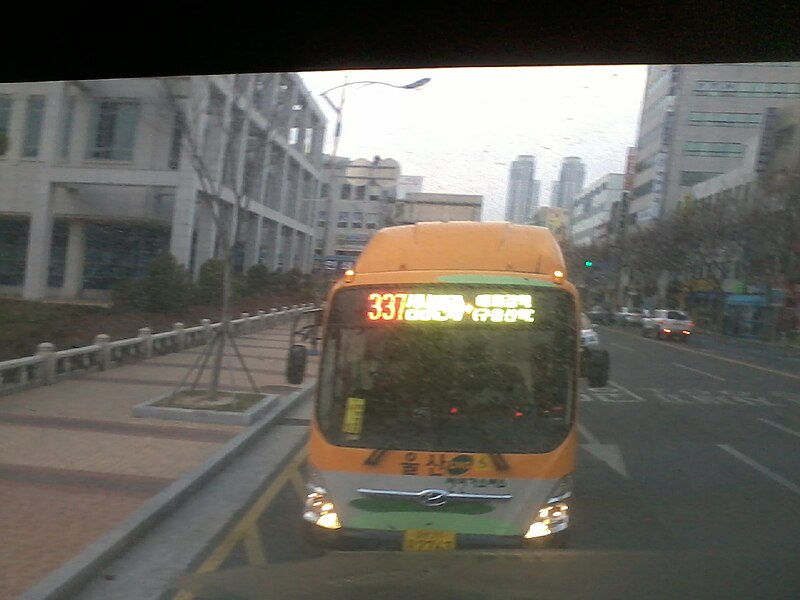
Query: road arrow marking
[[609, 454]]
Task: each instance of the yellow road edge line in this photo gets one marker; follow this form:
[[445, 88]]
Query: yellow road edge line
[[241, 530], [730, 360], [255, 548]]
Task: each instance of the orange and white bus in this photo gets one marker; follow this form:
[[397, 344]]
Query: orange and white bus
[[445, 411]]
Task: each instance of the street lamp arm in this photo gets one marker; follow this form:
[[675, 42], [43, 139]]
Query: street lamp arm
[[409, 86]]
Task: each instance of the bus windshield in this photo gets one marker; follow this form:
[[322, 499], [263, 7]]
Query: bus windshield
[[449, 369]]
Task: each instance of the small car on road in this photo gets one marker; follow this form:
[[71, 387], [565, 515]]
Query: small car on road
[[665, 323], [629, 315], [595, 361]]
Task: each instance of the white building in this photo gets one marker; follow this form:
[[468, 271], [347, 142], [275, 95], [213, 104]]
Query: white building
[[591, 209], [409, 184], [695, 123], [418, 208], [360, 195], [97, 177]]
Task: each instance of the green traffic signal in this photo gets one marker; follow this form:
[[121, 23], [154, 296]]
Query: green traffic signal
[[587, 263]]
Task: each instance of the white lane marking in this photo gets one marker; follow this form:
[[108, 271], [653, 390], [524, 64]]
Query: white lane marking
[[627, 391], [699, 371], [761, 469], [624, 347], [781, 427], [611, 454], [587, 434]]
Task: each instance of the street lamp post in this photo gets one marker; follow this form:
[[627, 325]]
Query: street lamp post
[[337, 134]]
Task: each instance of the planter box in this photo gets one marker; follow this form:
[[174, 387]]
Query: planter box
[[153, 410]]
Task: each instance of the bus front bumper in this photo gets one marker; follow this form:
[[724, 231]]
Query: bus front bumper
[[377, 539]]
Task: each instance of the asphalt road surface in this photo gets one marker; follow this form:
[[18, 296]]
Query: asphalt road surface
[[688, 486]]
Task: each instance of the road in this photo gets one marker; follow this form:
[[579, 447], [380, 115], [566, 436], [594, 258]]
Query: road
[[688, 486]]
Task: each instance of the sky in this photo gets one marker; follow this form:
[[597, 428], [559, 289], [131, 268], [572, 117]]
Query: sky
[[462, 129]]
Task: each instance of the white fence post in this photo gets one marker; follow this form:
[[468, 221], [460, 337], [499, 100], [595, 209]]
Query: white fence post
[[206, 323], [48, 353], [246, 323], [262, 319], [147, 341], [180, 334], [104, 341]]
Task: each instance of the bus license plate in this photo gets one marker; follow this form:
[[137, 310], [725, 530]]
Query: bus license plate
[[420, 540]]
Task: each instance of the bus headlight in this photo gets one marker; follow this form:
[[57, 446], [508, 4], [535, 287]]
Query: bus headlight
[[553, 515], [319, 510]]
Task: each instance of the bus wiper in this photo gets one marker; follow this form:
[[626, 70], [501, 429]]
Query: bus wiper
[[499, 461], [375, 456]]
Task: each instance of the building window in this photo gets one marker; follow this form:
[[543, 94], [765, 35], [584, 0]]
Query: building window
[[322, 218], [294, 135], [693, 177], [721, 149], [113, 129], [643, 189], [358, 220], [66, 126], [372, 220], [342, 220], [5, 120], [713, 119], [175, 144], [361, 192], [33, 127], [747, 89], [308, 141], [325, 190], [345, 191]]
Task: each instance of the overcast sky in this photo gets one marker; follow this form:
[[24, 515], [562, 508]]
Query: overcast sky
[[462, 129]]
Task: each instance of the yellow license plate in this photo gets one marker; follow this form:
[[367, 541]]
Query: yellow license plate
[[420, 540]]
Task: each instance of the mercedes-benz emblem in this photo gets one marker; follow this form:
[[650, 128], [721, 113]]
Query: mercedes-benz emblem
[[433, 497]]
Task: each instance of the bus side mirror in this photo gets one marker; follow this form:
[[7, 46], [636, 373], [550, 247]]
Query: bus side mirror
[[296, 365]]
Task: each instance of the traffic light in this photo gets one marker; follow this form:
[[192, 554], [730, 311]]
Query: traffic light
[[588, 263]]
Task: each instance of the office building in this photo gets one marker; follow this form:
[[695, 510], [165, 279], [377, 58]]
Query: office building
[[97, 177], [522, 195], [360, 195], [591, 209], [417, 208], [570, 181], [408, 184], [695, 124]]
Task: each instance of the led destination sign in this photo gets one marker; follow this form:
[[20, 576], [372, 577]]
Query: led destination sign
[[493, 308]]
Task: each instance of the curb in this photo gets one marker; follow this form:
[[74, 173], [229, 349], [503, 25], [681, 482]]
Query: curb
[[750, 342], [77, 571]]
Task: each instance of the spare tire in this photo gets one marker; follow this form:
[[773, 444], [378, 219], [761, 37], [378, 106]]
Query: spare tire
[[296, 365]]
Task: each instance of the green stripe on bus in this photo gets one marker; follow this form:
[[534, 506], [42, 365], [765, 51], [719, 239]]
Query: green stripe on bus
[[495, 280], [402, 521]]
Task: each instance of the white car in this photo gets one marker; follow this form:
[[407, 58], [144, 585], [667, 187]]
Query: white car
[[629, 315], [595, 362], [668, 324]]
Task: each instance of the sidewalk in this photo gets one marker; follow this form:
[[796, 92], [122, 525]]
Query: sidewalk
[[791, 346], [74, 462]]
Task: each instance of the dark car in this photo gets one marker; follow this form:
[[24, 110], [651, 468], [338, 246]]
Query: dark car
[[600, 315]]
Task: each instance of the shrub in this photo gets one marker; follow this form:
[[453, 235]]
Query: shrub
[[209, 282], [168, 286]]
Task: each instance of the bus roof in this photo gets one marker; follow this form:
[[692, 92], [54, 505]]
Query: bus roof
[[462, 246]]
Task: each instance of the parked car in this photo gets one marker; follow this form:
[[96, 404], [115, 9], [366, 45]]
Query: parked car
[[667, 324], [599, 314], [595, 362], [629, 315]]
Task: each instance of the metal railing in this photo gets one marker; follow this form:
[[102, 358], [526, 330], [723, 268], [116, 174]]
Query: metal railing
[[49, 365]]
